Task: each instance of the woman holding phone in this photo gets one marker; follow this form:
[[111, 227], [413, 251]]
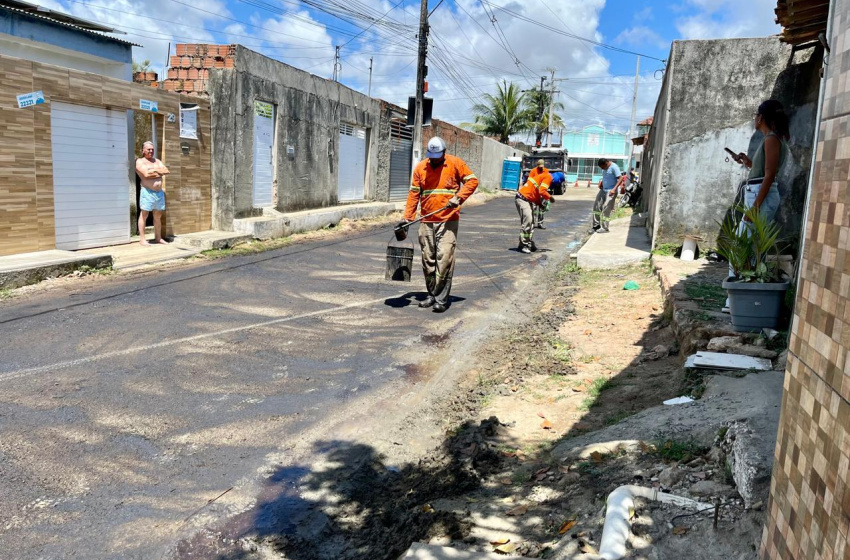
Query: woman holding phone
[[761, 189]]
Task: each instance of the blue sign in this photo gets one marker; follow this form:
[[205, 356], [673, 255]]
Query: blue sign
[[146, 105], [30, 99]]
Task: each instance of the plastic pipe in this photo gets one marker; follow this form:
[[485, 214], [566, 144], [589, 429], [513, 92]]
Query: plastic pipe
[[621, 507], [689, 249]]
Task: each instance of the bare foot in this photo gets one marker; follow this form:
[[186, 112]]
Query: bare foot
[[144, 242], [161, 242]]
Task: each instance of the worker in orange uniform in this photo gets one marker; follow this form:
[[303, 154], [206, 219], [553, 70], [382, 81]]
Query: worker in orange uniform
[[441, 181], [544, 181], [534, 194]]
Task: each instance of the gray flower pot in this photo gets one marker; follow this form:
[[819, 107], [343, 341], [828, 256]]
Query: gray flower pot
[[753, 305]]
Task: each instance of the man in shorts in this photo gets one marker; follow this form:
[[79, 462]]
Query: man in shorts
[[152, 196]]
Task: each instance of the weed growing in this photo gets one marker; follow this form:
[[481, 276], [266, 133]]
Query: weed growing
[[677, 450], [596, 388], [707, 296], [666, 249]]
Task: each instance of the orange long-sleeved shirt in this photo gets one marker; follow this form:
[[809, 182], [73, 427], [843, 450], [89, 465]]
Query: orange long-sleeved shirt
[[432, 188], [536, 188]]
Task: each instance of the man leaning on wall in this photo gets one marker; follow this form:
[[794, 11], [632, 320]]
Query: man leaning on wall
[[151, 172]]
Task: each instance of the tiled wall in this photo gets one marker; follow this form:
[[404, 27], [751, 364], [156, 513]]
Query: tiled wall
[[26, 169], [809, 512]]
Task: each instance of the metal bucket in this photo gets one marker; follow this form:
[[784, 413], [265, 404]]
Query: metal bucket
[[399, 262]]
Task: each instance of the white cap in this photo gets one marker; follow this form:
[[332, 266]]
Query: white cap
[[436, 147]]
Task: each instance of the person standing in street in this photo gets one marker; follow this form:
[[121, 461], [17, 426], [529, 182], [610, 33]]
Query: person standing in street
[[544, 180], [611, 183], [152, 196], [440, 184], [533, 195]]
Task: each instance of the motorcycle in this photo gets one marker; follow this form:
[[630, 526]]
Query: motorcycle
[[632, 195]]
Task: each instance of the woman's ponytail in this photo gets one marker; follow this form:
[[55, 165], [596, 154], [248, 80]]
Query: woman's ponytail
[[774, 116]]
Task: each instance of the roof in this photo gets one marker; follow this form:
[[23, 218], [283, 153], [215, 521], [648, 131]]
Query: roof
[[801, 20], [646, 122], [66, 20]]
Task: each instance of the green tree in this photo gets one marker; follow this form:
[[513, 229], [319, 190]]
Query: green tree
[[143, 66], [536, 100], [501, 115]]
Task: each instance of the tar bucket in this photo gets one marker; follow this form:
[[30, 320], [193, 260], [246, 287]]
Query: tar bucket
[[399, 261]]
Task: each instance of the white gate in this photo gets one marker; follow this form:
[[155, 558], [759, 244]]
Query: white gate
[[263, 154], [352, 163], [401, 158], [90, 182]]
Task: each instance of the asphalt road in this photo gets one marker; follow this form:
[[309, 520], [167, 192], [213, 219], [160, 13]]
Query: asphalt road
[[126, 408]]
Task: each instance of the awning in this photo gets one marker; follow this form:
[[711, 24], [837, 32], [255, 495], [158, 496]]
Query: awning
[[801, 20]]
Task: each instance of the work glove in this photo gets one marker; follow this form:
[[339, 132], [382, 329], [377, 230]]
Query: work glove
[[454, 202], [546, 205], [402, 226]]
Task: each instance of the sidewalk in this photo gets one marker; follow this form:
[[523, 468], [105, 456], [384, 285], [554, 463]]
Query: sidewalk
[[627, 243], [29, 268]]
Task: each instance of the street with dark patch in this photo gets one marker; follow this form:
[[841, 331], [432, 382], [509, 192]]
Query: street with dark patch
[[131, 409]]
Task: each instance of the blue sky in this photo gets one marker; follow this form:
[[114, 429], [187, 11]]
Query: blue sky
[[469, 53]]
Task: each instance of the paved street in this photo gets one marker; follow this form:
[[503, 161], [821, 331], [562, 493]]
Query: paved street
[[125, 409]]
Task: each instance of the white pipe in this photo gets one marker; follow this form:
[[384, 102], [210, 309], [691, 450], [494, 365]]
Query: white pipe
[[621, 507]]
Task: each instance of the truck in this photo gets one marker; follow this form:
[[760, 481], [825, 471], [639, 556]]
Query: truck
[[556, 160]]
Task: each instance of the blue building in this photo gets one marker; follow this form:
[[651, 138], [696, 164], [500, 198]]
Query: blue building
[[587, 145]]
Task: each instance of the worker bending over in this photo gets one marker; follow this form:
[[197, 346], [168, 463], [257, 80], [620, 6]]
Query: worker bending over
[[441, 181], [544, 179]]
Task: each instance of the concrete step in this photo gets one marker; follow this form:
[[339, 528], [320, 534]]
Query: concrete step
[[211, 239], [273, 224], [30, 268]]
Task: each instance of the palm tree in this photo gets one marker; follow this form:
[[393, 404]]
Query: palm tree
[[533, 102], [501, 115]]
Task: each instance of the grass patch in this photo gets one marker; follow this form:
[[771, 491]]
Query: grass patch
[[572, 268], [563, 352], [249, 248], [612, 419], [666, 249], [707, 296], [594, 390], [678, 450], [623, 212], [6, 293]]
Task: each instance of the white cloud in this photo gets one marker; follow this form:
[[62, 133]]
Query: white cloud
[[723, 19], [640, 36]]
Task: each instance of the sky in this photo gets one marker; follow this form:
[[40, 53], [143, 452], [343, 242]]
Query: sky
[[473, 44]]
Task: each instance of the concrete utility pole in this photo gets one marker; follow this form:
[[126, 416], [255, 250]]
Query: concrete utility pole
[[337, 65], [541, 105], [421, 74], [370, 76], [632, 122], [551, 111]]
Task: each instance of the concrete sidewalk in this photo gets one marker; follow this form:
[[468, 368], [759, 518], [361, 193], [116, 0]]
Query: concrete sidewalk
[[30, 268], [626, 243], [132, 255]]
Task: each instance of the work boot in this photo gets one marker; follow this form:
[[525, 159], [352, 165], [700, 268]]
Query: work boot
[[525, 250], [439, 307], [533, 247], [427, 302], [541, 226]]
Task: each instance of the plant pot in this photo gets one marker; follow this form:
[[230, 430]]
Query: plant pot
[[753, 305]]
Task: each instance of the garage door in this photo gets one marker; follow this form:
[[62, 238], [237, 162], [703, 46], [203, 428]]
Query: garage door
[[401, 156], [352, 163], [90, 176]]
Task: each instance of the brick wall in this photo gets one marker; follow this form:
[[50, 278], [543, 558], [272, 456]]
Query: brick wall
[[189, 69], [26, 162], [809, 511], [459, 142]]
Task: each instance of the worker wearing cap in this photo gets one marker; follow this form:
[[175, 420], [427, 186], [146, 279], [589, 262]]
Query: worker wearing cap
[[532, 195], [440, 184], [544, 180]]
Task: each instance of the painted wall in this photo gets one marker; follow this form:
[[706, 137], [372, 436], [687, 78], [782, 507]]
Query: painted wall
[[308, 112], [595, 140], [710, 92], [808, 514], [40, 40]]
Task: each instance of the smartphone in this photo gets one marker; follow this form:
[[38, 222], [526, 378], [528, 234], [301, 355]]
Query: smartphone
[[732, 154]]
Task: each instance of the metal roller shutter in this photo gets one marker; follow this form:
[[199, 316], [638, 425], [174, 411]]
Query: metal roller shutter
[[90, 176], [401, 160], [352, 163]]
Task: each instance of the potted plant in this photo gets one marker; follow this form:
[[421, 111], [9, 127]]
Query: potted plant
[[756, 288]]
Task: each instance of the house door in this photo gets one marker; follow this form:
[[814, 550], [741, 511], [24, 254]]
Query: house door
[[352, 163], [90, 182], [263, 154], [401, 157]]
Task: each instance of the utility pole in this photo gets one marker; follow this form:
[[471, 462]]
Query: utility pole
[[370, 76], [337, 65], [632, 122], [540, 104], [421, 73], [551, 111]]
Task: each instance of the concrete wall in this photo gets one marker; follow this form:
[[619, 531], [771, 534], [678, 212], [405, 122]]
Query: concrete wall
[[40, 40], [493, 153], [309, 110], [710, 92]]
